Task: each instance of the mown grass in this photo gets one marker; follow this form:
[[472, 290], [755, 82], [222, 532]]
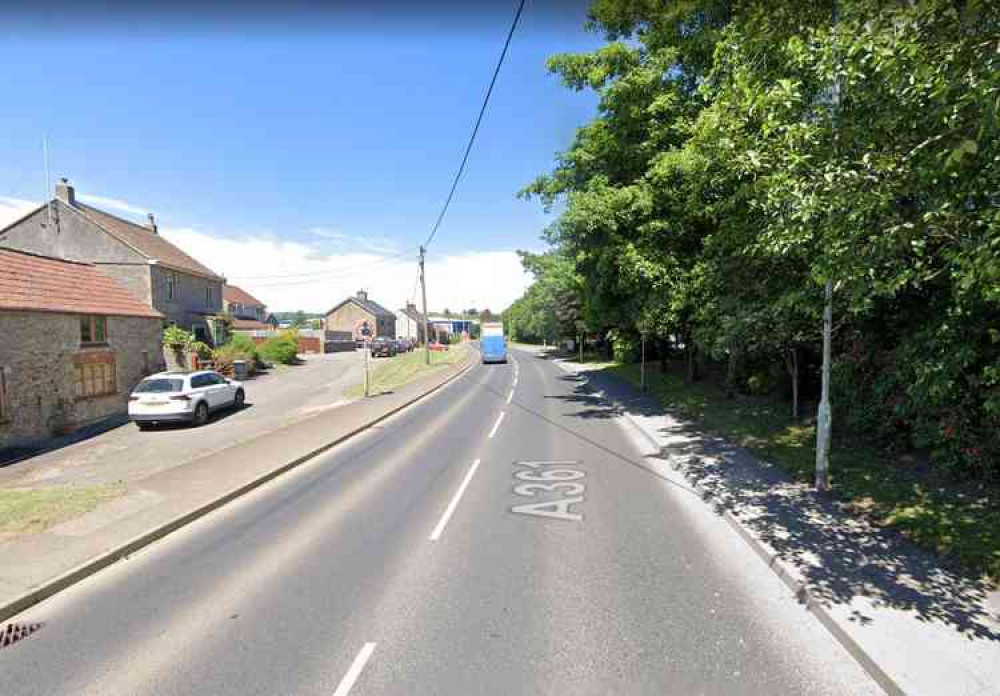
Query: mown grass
[[960, 521], [389, 374], [32, 510]]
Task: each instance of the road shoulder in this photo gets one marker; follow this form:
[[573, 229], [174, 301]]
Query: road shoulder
[[916, 627]]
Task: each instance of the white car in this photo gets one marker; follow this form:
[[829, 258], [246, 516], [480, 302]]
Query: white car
[[170, 397]]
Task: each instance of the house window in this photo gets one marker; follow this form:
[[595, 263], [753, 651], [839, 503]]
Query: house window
[[95, 379], [171, 285], [93, 329], [209, 296]]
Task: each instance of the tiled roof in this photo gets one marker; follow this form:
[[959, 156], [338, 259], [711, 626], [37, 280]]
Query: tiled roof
[[251, 325], [231, 293], [145, 241], [29, 282]]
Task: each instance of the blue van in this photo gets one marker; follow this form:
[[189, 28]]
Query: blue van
[[494, 349]]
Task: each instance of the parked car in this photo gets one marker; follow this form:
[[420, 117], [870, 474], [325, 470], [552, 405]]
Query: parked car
[[383, 348], [402, 345], [171, 397]]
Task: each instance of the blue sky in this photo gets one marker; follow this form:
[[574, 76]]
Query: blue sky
[[341, 137]]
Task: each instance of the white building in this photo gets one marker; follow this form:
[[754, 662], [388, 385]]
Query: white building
[[409, 323]]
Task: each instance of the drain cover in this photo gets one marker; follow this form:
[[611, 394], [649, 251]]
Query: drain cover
[[13, 632]]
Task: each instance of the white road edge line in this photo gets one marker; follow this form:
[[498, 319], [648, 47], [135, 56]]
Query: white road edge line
[[511, 395], [436, 534], [496, 426], [355, 671]]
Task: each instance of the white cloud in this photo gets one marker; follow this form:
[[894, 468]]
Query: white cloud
[[337, 241], [12, 209], [289, 275], [113, 204]]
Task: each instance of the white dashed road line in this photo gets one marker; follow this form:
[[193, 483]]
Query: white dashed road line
[[496, 425], [355, 671], [436, 534]]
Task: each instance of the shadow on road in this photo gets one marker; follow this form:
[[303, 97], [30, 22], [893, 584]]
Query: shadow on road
[[841, 556]]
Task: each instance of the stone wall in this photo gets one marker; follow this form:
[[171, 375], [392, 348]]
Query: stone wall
[[38, 353]]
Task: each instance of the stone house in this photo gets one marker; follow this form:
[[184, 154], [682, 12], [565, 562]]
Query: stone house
[[247, 313], [152, 269], [353, 312], [410, 323], [73, 344]]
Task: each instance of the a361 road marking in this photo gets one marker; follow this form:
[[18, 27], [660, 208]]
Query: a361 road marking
[[544, 478]]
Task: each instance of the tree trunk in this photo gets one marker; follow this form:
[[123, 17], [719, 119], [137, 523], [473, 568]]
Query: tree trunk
[[661, 346], [731, 373], [692, 362], [792, 363]]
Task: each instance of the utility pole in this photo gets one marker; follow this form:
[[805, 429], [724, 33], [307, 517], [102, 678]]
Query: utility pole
[[824, 419], [423, 292]]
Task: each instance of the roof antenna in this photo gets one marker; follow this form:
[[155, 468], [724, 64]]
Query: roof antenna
[[48, 182]]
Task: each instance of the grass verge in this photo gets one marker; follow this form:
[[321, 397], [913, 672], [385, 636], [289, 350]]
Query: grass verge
[[960, 521], [388, 374], [32, 510]]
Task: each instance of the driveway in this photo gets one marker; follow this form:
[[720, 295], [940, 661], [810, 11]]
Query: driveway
[[284, 395]]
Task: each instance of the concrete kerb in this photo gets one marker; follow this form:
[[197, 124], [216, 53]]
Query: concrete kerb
[[773, 561], [88, 568]]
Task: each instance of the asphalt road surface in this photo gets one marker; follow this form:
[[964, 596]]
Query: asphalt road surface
[[500, 537]]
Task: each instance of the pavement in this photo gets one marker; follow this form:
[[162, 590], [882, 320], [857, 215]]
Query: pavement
[[505, 535], [166, 486], [924, 628], [284, 395]]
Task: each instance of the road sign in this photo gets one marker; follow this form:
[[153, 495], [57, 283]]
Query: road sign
[[363, 329]]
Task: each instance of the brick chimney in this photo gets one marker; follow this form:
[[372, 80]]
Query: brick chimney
[[65, 191], [152, 223], [362, 295]]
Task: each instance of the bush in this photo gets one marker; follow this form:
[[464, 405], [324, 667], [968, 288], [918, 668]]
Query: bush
[[625, 348], [239, 347], [176, 336], [203, 350], [283, 348]]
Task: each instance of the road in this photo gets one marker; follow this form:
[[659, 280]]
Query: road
[[406, 562]]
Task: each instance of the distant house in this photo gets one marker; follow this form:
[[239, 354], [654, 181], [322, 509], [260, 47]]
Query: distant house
[[179, 287], [239, 304], [354, 312], [410, 323], [73, 344], [247, 313]]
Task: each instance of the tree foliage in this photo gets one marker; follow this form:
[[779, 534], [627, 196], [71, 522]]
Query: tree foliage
[[745, 152]]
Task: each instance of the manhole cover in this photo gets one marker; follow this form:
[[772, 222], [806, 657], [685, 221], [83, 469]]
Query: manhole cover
[[13, 632]]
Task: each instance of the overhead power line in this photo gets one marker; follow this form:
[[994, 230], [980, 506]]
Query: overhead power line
[[317, 276], [475, 130]]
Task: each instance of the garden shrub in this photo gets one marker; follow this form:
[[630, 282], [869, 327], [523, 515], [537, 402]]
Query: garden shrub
[[283, 348]]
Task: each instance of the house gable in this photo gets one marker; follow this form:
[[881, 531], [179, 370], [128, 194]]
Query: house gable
[[69, 235]]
